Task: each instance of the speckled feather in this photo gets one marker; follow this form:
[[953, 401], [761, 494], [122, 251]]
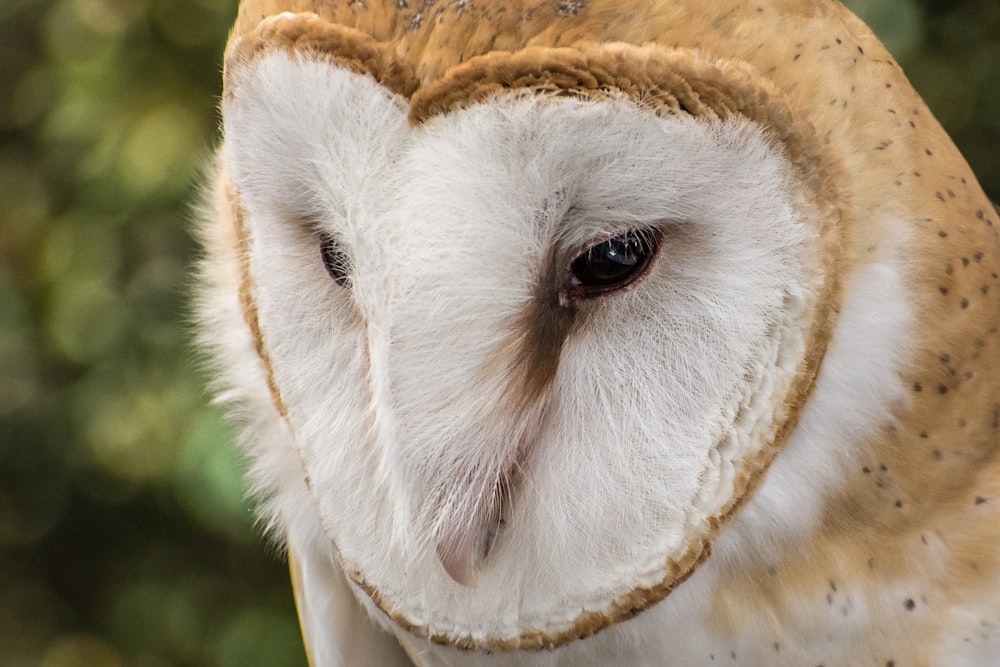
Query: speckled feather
[[922, 500]]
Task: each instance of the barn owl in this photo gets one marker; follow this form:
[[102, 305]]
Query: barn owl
[[602, 332]]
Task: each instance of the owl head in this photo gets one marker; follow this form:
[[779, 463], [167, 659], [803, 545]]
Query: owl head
[[521, 300]]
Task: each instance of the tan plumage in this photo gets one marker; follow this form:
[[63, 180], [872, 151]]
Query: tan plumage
[[915, 524]]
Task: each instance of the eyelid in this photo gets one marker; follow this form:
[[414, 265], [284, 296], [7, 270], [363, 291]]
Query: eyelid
[[579, 250], [586, 230]]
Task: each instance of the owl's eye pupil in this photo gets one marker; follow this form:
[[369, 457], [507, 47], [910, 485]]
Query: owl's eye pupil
[[335, 260], [613, 264]]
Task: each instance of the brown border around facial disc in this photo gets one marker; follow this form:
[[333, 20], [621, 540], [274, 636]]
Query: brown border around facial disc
[[666, 82], [310, 36]]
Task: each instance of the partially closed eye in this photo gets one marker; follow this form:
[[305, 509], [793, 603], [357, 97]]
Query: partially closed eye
[[335, 260]]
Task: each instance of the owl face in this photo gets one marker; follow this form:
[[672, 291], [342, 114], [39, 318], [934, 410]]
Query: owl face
[[533, 343]]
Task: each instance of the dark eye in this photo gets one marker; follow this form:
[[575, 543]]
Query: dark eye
[[614, 264], [335, 260]]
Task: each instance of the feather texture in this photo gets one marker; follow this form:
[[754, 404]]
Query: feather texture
[[774, 445]]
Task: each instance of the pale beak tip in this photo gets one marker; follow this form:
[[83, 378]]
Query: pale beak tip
[[460, 557]]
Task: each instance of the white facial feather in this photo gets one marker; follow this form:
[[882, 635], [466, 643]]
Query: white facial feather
[[774, 443], [860, 379], [783, 514], [400, 393]]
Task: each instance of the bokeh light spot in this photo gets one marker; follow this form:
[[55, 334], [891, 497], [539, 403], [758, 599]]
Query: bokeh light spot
[[110, 16], [133, 436], [80, 250], [80, 651], [67, 39], [209, 480], [86, 320], [161, 149]]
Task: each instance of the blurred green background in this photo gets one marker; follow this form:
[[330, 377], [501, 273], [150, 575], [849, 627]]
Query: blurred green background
[[124, 535]]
